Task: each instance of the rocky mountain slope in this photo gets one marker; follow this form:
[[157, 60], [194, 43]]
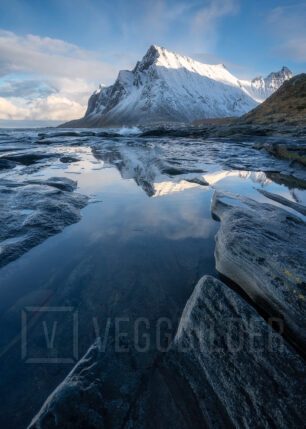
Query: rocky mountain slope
[[167, 87], [286, 105], [261, 88]]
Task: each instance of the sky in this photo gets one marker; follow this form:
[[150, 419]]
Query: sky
[[55, 53]]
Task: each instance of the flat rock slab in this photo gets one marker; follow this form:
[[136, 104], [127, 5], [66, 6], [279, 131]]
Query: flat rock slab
[[282, 200], [262, 248], [241, 373], [33, 210], [198, 181], [293, 151], [226, 368]]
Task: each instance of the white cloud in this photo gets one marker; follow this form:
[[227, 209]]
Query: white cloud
[[50, 57], [206, 19], [205, 22], [287, 26], [196, 21], [53, 107], [56, 77], [9, 110]]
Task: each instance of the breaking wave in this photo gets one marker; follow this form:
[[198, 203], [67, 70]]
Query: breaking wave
[[127, 131]]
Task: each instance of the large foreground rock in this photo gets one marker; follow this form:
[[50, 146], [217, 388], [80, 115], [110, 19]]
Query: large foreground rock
[[226, 368], [242, 374], [262, 248]]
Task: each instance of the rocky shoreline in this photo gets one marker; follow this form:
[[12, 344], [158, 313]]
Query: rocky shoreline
[[206, 378], [226, 367]]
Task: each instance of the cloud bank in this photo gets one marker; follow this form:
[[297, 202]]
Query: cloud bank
[[44, 78]]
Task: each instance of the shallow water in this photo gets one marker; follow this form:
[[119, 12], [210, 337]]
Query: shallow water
[[143, 241]]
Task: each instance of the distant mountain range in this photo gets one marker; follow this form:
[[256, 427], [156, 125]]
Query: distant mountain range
[[167, 87], [286, 106]]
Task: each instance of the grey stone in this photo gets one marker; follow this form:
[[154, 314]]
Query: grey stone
[[282, 200], [198, 180], [226, 368], [262, 248], [242, 374], [33, 210]]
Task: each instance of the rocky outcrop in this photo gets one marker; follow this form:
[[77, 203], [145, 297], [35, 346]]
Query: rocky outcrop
[[282, 200], [226, 368], [290, 150], [34, 210], [242, 374], [262, 248]]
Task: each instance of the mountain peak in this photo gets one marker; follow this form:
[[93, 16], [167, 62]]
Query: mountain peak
[[286, 105], [165, 86], [286, 70]]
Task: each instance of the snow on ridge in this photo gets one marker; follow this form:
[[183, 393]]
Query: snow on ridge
[[168, 87]]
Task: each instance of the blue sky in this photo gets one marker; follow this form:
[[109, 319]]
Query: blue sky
[[54, 53]]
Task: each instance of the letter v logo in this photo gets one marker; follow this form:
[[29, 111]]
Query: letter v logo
[[50, 339]]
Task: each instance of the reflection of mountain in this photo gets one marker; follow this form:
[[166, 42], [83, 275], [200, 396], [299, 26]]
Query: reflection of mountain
[[168, 187], [133, 163], [255, 176], [161, 170], [146, 164]]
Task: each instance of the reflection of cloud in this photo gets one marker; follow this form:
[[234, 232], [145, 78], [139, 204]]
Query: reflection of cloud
[[287, 25], [185, 219]]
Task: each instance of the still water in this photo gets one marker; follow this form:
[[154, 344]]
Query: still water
[[143, 241]]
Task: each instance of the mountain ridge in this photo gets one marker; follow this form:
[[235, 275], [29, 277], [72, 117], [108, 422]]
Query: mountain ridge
[[287, 105], [168, 87]]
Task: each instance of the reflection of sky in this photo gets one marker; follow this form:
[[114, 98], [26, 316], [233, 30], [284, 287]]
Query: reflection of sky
[[130, 255]]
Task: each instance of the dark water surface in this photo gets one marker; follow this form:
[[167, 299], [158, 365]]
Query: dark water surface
[[143, 241]]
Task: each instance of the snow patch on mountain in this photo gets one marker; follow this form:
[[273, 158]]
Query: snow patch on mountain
[[167, 87], [261, 88]]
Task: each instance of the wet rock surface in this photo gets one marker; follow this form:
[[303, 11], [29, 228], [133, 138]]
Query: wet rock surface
[[290, 150], [262, 248], [284, 201], [226, 368], [33, 210], [198, 181]]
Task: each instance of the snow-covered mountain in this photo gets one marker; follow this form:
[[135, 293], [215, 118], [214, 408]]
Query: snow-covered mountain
[[167, 87], [261, 88]]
